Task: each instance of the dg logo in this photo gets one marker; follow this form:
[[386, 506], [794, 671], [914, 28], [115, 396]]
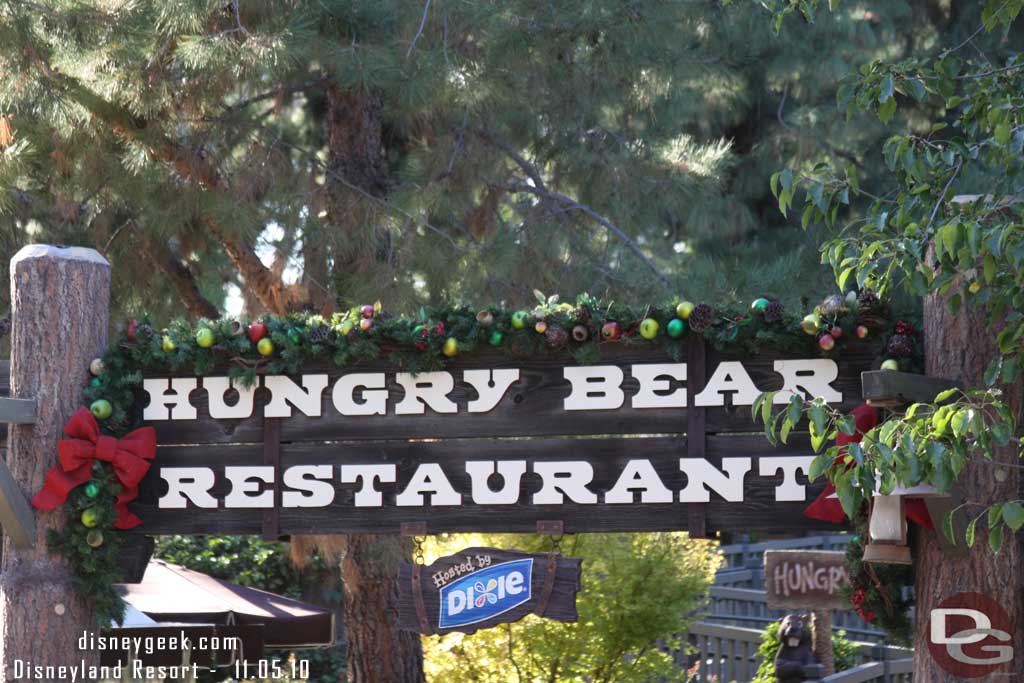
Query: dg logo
[[970, 635]]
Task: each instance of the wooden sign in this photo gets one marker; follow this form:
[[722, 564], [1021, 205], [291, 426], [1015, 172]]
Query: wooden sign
[[805, 579], [636, 442], [483, 587]]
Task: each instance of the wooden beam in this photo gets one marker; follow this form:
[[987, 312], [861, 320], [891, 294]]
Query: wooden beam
[[891, 389], [18, 410], [15, 512]]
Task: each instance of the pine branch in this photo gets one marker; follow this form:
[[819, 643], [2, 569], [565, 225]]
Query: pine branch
[[270, 290], [182, 279], [540, 189]]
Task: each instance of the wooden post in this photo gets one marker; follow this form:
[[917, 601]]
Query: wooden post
[[821, 624], [59, 310]]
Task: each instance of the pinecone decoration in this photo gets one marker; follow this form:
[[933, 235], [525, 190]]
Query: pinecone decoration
[[144, 331], [584, 314], [773, 312], [831, 306], [556, 336], [867, 300], [318, 335], [900, 346], [701, 318]]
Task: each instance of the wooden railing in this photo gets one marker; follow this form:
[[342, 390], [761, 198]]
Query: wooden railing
[[747, 555], [724, 653], [749, 607]]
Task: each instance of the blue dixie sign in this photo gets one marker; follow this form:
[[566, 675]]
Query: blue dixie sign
[[486, 593]]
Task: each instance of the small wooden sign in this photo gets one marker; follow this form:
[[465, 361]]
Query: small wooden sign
[[483, 587], [808, 579]]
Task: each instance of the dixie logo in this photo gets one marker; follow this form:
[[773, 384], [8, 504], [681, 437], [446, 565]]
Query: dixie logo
[[486, 593]]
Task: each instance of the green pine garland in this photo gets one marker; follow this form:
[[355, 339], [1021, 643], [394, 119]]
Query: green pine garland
[[426, 342]]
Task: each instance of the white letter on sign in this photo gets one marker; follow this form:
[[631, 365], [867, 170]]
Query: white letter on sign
[[789, 489], [490, 385], [245, 484], [216, 387], [283, 391], [561, 479], [159, 399], [813, 375], [639, 474], [511, 472], [647, 376], [368, 496], [594, 387], [426, 388], [375, 396], [700, 474], [428, 478], [187, 484], [309, 488], [729, 376]]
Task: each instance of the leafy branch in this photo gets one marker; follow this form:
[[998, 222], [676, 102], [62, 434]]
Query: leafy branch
[[929, 444]]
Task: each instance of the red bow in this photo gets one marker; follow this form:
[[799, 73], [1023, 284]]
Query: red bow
[[129, 456]]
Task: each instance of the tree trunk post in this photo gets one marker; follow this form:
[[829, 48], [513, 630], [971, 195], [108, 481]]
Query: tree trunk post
[[60, 299], [378, 651], [961, 346], [822, 629]]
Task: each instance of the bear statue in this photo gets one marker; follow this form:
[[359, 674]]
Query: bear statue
[[795, 651]]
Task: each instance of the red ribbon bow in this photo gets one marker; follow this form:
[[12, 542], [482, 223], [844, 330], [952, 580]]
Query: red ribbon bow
[[129, 456]]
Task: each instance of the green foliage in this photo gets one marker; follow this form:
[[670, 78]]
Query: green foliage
[[638, 591], [666, 119], [882, 594], [930, 444], [921, 233], [844, 653]]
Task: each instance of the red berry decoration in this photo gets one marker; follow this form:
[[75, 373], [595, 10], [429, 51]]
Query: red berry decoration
[[133, 326], [611, 331], [257, 331], [365, 324], [367, 311], [836, 332], [827, 342], [862, 331]]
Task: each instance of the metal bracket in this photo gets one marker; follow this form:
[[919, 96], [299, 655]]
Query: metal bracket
[[551, 527], [414, 528]]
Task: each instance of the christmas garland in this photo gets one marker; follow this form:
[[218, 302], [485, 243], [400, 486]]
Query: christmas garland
[[882, 594], [283, 344]]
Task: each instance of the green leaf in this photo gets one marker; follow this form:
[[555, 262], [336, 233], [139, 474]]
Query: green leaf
[[887, 87], [969, 536], [766, 407], [847, 425], [1013, 515], [787, 425], [755, 409], [819, 417], [995, 514], [795, 409], [820, 465], [947, 528], [959, 421], [817, 438], [945, 395], [1002, 133], [995, 539], [844, 276], [886, 110]]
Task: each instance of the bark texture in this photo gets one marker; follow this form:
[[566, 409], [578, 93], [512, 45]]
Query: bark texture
[[378, 651], [60, 307], [961, 347]]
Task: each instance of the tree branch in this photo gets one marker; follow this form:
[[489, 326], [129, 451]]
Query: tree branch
[[182, 279], [270, 290]]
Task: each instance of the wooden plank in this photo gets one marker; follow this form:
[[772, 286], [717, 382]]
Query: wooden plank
[[890, 389], [537, 399], [759, 509], [810, 579], [16, 516], [696, 429], [17, 410], [272, 457]]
